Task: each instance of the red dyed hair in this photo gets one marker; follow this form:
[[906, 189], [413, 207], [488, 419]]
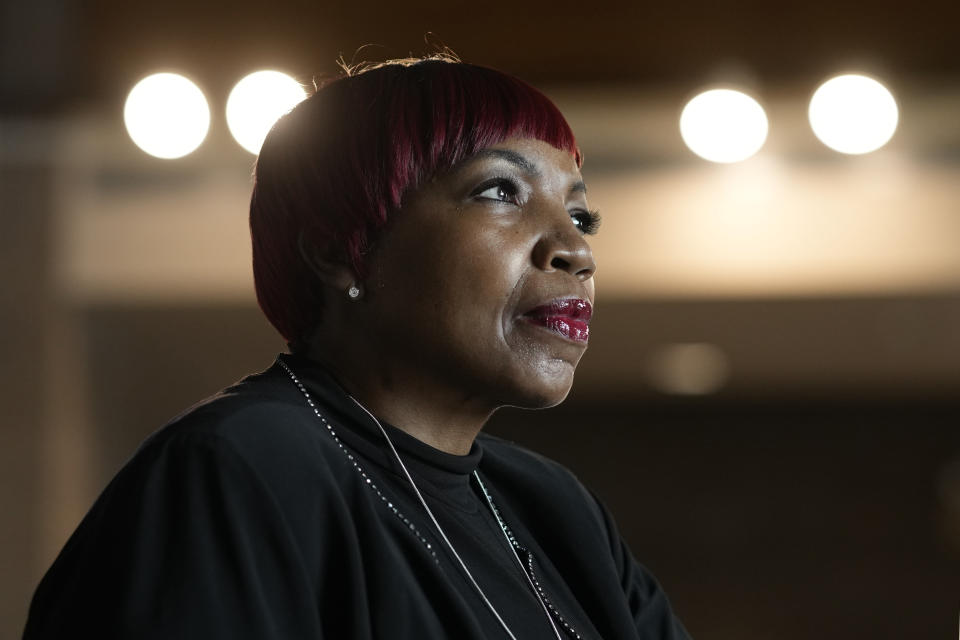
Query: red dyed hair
[[335, 168]]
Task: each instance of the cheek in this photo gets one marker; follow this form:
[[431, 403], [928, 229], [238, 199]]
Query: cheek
[[480, 290], [485, 261], [463, 280]]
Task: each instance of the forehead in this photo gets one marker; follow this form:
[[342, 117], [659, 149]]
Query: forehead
[[534, 157]]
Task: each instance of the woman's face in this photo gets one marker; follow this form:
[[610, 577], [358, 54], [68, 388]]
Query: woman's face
[[482, 284]]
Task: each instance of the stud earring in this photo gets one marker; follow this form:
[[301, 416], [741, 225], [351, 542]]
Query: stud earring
[[353, 292]]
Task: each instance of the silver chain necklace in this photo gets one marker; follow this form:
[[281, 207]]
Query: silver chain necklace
[[503, 526]]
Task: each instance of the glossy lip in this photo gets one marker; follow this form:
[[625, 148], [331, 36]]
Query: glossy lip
[[568, 317]]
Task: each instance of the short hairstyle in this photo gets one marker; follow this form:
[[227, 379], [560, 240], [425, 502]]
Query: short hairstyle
[[332, 171]]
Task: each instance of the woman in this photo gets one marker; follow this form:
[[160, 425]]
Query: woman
[[419, 238]]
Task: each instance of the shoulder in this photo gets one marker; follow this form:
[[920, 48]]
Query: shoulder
[[179, 531], [257, 432], [252, 457], [514, 458], [244, 410], [535, 469], [256, 419], [535, 478]]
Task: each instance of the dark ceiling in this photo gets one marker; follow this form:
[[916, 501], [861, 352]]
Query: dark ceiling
[[58, 51]]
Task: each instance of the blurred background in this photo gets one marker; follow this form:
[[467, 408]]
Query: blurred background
[[771, 400]]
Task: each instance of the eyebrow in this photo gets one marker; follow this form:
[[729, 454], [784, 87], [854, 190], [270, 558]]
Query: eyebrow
[[510, 156], [522, 162]]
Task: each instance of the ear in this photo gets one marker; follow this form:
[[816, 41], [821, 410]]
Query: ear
[[335, 275]]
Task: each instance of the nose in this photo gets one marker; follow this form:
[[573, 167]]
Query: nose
[[565, 249]]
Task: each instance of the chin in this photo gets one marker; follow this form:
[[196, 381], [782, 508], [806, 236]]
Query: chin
[[544, 401], [545, 388]]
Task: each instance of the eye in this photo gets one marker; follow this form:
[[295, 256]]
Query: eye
[[500, 189], [588, 222]]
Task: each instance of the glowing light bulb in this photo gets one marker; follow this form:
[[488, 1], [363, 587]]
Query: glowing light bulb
[[722, 125], [166, 115], [853, 114], [255, 104], [689, 368]]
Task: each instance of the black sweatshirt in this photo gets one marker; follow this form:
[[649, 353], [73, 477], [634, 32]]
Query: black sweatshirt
[[250, 517]]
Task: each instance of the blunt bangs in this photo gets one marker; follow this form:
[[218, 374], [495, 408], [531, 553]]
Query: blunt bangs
[[333, 170], [460, 109]]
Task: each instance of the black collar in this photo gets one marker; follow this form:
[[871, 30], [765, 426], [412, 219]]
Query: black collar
[[355, 428]]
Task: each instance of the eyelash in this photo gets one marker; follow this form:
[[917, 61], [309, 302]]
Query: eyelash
[[508, 187], [588, 222]]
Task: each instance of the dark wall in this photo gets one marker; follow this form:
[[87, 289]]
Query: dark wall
[[782, 521], [24, 303]]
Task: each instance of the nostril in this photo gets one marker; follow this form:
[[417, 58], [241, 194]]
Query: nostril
[[560, 263]]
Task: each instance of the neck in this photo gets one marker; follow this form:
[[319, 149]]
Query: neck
[[427, 410]]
